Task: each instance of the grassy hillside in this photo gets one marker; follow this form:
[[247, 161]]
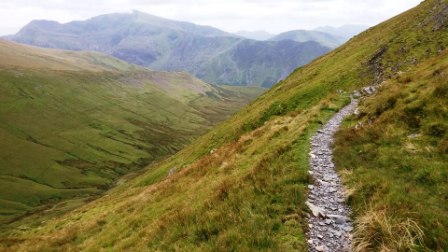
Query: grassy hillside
[[243, 185], [72, 123], [398, 148], [16, 56]]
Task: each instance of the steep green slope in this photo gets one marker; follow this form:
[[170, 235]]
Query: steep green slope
[[72, 123], [208, 53], [397, 147], [243, 185], [15, 56]]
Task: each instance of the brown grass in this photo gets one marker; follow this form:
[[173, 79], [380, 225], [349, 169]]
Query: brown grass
[[376, 231]]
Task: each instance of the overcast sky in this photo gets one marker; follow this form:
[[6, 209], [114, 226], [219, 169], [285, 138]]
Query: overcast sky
[[274, 16]]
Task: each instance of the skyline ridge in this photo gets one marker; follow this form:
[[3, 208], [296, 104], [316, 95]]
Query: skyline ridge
[[272, 16]]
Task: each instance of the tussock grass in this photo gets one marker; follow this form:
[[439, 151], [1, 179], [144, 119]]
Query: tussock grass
[[378, 231], [397, 162]]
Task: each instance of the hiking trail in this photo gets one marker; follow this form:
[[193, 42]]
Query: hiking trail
[[329, 222]]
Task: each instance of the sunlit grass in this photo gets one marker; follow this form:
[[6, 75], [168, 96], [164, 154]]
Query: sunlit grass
[[73, 133]]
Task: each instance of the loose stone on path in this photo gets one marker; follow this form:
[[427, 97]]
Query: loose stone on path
[[329, 223]]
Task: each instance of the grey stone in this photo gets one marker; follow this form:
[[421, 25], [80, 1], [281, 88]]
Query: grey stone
[[315, 210], [332, 190], [321, 248], [338, 218], [369, 90], [172, 171], [348, 228], [327, 192]]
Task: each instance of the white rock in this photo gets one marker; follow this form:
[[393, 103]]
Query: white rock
[[321, 248], [357, 94], [338, 218], [315, 210], [172, 171]]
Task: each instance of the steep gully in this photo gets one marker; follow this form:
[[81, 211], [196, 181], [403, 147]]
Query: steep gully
[[329, 223]]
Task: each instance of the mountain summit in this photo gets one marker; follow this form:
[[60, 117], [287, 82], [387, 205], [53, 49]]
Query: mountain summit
[[161, 44]]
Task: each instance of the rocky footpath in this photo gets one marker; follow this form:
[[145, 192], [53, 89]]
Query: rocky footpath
[[329, 223]]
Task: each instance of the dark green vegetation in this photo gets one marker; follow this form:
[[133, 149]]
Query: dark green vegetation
[[396, 161], [72, 123], [243, 185], [208, 53]]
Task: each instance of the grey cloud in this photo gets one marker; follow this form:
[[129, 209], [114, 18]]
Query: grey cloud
[[232, 15]]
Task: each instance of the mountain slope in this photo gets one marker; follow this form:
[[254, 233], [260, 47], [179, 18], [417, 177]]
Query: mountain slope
[[325, 39], [259, 63], [243, 185], [162, 44], [72, 123], [255, 35], [25, 57], [345, 31], [399, 149]]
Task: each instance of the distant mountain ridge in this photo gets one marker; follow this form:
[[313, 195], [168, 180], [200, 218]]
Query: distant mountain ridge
[[346, 31], [325, 39], [208, 53], [255, 35]]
